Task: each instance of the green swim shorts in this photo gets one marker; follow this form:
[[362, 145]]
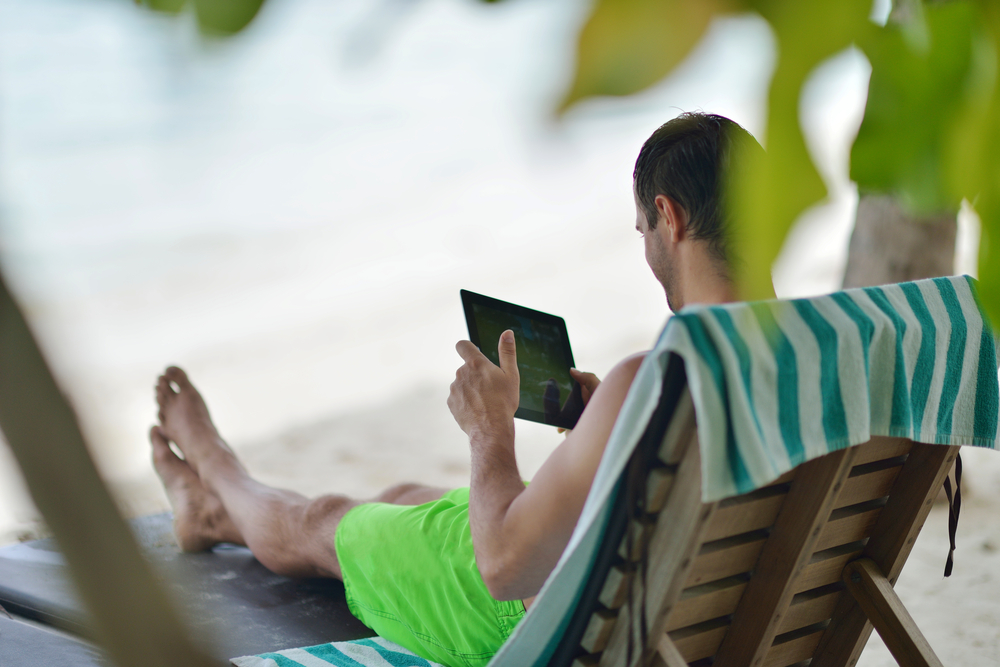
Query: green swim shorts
[[410, 575]]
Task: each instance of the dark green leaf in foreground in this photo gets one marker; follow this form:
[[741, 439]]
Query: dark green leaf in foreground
[[920, 77], [167, 6], [772, 192], [628, 45], [225, 17], [215, 17], [973, 159]]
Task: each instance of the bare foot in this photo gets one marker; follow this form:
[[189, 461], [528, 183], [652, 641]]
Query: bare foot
[[200, 520], [184, 419]]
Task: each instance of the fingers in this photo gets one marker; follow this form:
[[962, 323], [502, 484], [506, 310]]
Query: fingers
[[468, 351], [587, 380], [507, 349]]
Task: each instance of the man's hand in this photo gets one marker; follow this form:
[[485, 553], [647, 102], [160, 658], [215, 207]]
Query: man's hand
[[588, 383], [484, 397]]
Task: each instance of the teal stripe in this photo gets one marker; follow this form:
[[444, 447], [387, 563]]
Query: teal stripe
[[788, 382], [923, 372], [955, 356], [901, 422], [866, 328], [281, 660], [834, 419], [987, 401], [710, 355], [329, 653], [395, 658], [743, 355], [984, 419]]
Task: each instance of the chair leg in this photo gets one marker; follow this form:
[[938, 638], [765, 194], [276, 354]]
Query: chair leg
[[887, 614]]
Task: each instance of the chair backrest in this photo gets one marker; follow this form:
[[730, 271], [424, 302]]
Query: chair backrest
[[757, 579]]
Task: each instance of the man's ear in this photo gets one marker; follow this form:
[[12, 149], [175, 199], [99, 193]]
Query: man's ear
[[673, 216]]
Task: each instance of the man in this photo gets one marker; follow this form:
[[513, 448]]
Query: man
[[448, 574]]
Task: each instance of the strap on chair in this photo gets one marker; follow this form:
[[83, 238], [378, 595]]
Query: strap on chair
[[954, 506]]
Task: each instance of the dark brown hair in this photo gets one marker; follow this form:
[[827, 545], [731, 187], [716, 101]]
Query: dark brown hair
[[689, 159]]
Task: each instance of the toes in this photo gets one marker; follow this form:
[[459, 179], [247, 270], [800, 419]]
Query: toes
[[175, 374], [163, 385], [163, 456]]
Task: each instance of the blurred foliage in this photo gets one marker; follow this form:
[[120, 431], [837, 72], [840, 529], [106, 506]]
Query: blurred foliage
[[215, 17], [931, 131], [930, 135], [627, 46]]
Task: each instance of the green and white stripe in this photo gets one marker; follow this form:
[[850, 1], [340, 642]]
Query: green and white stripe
[[778, 382], [374, 652]]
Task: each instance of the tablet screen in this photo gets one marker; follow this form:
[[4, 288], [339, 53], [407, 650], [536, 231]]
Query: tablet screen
[[548, 393]]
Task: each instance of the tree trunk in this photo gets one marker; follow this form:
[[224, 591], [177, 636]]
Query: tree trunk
[[889, 245]]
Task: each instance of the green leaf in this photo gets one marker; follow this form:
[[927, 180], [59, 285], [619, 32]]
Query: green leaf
[[778, 186], [628, 45], [917, 87], [215, 17], [166, 6], [974, 160], [225, 17]]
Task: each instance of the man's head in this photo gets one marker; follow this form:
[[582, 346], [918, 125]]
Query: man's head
[[681, 189]]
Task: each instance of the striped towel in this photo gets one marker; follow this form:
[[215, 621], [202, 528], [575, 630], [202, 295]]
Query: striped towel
[[775, 383], [374, 652]]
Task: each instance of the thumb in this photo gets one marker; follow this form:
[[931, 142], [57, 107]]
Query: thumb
[[508, 353]]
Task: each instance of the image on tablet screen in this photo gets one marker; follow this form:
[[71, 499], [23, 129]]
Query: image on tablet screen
[[546, 384]]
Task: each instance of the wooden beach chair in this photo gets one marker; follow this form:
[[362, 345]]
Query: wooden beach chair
[[795, 573]]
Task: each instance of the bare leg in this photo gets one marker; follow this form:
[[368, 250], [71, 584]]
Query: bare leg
[[287, 532]]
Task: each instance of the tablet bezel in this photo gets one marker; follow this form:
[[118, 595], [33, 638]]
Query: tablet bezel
[[470, 298]]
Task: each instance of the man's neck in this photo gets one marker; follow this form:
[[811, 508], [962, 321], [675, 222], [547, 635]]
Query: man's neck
[[700, 279]]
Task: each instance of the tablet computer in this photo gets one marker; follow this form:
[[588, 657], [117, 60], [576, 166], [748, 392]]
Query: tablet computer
[[549, 394]]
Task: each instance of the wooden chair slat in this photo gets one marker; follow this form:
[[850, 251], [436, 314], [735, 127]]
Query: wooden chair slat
[[867, 487], [598, 632], [732, 520], [615, 590], [642, 530], [881, 447], [658, 487], [847, 529], [718, 598], [733, 559], [793, 651], [809, 611], [700, 643], [827, 571]]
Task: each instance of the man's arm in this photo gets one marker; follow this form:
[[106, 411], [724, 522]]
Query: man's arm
[[519, 533]]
